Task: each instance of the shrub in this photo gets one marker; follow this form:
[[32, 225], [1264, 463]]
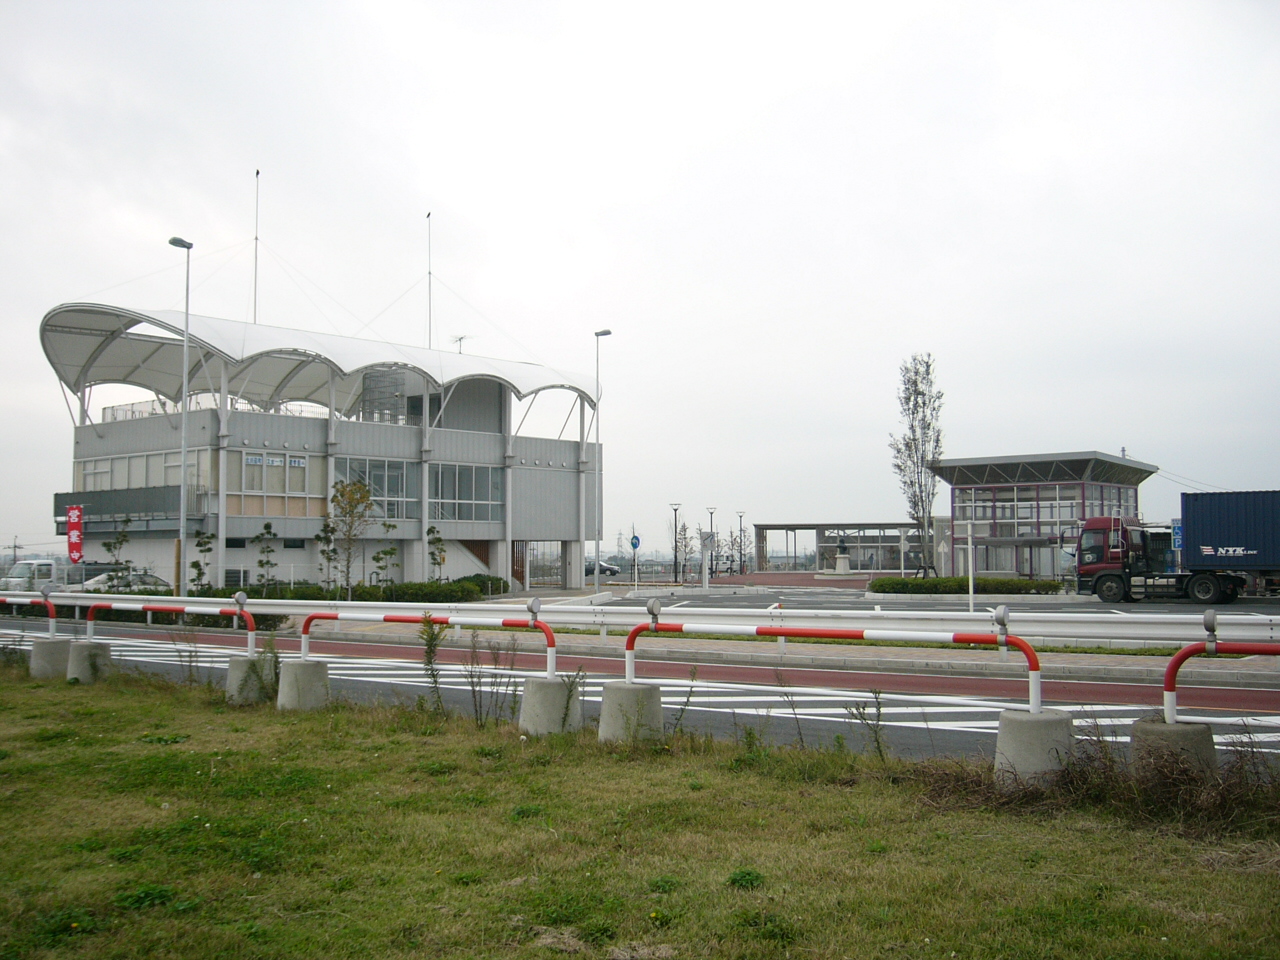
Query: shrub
[[961, 585], [489, 586]]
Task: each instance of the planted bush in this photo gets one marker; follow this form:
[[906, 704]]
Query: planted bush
[[961, 585]]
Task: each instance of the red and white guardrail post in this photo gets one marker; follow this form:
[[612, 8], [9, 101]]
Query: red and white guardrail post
[[245, 616], [928, 636], [1210, 646], [33, 602], [532, 623]]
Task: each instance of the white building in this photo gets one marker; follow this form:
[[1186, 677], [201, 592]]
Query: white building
[[279, 415]]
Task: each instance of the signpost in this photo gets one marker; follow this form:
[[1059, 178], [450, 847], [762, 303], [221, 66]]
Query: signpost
[[1177, 542], [635, 566]]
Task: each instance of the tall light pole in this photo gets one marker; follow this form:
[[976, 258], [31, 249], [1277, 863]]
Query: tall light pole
[[599, 469], [742, 545], [180, 582], [675, 541], [711, 511]]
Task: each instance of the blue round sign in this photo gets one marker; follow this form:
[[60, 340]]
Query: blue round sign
[[635, 543]]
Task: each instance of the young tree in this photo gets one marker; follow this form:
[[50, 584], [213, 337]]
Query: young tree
[[325, 541], [689, 547], [262, 540], [920, 444], [351, 510], [201, 568], [384, 561], [114, 547], [435, 551]]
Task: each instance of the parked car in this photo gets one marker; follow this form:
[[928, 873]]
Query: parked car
[[606, 569], [125, 583]]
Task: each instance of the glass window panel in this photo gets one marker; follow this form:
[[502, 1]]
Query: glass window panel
[[1004, 494], [1026, 493], [448, 510], [434, 512], [395, 478], [482, 511], [275, 474], [339, 469], [394, 509], [137, 472], [1026, 511], [413, 509], [466, 510], [317, 476], [275, 507], [466, 487], [448, 482], [297, 474], [120, 473], [252, 471], [413, 480], [495, 484], [1069, 492], [155, 470], [433, 483], [482, 483], [378, 478], [379, 509], [358, 470]]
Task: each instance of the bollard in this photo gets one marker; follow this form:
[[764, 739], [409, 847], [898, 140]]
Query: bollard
[[1032, 747], [630, 711], [49, 659], [304, 685], [1153, 743], [87, 660], [550, 706], [249, 680]]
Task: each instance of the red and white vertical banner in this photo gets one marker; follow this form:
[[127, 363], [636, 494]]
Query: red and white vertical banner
[[75, 534]]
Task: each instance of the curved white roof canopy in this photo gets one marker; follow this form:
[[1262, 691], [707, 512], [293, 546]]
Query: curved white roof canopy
[[92, 343]]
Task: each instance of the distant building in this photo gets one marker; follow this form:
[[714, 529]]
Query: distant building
[[1025, 509], [281, 415]]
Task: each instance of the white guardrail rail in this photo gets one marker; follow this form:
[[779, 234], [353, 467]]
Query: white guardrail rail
[[1172, 628]]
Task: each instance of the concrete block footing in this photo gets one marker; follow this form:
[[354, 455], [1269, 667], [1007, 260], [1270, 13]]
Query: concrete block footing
[[88, 660], [1031, 747], [1151, 740], [304, 685], [630, 711], [49, 659], [249, 679], [550, 706]]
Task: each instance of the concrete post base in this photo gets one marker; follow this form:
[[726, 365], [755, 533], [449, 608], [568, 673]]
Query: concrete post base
[[88, 661], [1031, 747], [304, 685], [547, 707], [630, 711], [49, 659], [249, 679], [1151, 740]]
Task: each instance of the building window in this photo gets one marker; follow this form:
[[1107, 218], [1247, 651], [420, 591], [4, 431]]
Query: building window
[[235, 543], [294, 544], [460, 491], [394, 485]]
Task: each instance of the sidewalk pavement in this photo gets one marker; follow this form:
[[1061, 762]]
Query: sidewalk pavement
[[1251, 672]]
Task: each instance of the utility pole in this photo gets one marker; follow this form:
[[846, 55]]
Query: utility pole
[[675, 541]]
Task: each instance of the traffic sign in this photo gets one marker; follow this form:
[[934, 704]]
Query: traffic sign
[[1177, 534], [635, 543]]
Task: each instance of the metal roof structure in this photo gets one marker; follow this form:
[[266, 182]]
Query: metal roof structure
[[93, 343], [1089, 466]]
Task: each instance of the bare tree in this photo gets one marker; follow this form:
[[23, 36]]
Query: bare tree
[[351, 512], [920, 445]]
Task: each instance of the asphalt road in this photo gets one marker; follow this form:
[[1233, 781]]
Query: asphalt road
[[809, 598], [916, 716]]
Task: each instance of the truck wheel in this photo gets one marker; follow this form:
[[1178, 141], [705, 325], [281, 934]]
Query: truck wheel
[[1230, 592], [1204, 588], [1109, 589]]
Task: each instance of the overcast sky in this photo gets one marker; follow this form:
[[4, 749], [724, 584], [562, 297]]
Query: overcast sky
[[1074, 207]]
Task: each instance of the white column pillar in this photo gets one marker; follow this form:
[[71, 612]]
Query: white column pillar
[[224, 438], [509, 457]]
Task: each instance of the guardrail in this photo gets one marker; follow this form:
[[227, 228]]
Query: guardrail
[[251, 629], [1210, 645], [531, 622], [36, 600], [1169, 628], [732, 629]]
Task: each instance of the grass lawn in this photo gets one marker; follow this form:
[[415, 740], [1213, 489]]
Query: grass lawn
[[143, 819]]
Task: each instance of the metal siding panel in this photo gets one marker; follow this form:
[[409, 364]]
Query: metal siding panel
[[474, 405], [145, 435], [1248, 519], [461, 446], [544, 504], [274, 430], [388, 440]]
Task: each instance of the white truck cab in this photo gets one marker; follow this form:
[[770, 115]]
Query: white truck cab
[[31, 575]]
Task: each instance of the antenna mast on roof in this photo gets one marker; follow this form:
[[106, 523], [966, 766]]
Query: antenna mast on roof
[[460, 339], [428, 279], [256, 175]]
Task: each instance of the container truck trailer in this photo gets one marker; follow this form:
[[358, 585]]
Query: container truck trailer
[[1230, 545]]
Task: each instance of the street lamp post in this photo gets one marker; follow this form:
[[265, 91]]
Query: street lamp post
[[599, 469], [675, 541], [180, 582], [711, 511], [742, 546]]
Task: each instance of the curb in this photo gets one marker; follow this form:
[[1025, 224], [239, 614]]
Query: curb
[[986, 597]]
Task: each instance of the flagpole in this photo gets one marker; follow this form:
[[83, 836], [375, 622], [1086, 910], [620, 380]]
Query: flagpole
[[256, 175]]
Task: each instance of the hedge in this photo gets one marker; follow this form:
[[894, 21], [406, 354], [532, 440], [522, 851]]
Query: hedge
[[961, 585]]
